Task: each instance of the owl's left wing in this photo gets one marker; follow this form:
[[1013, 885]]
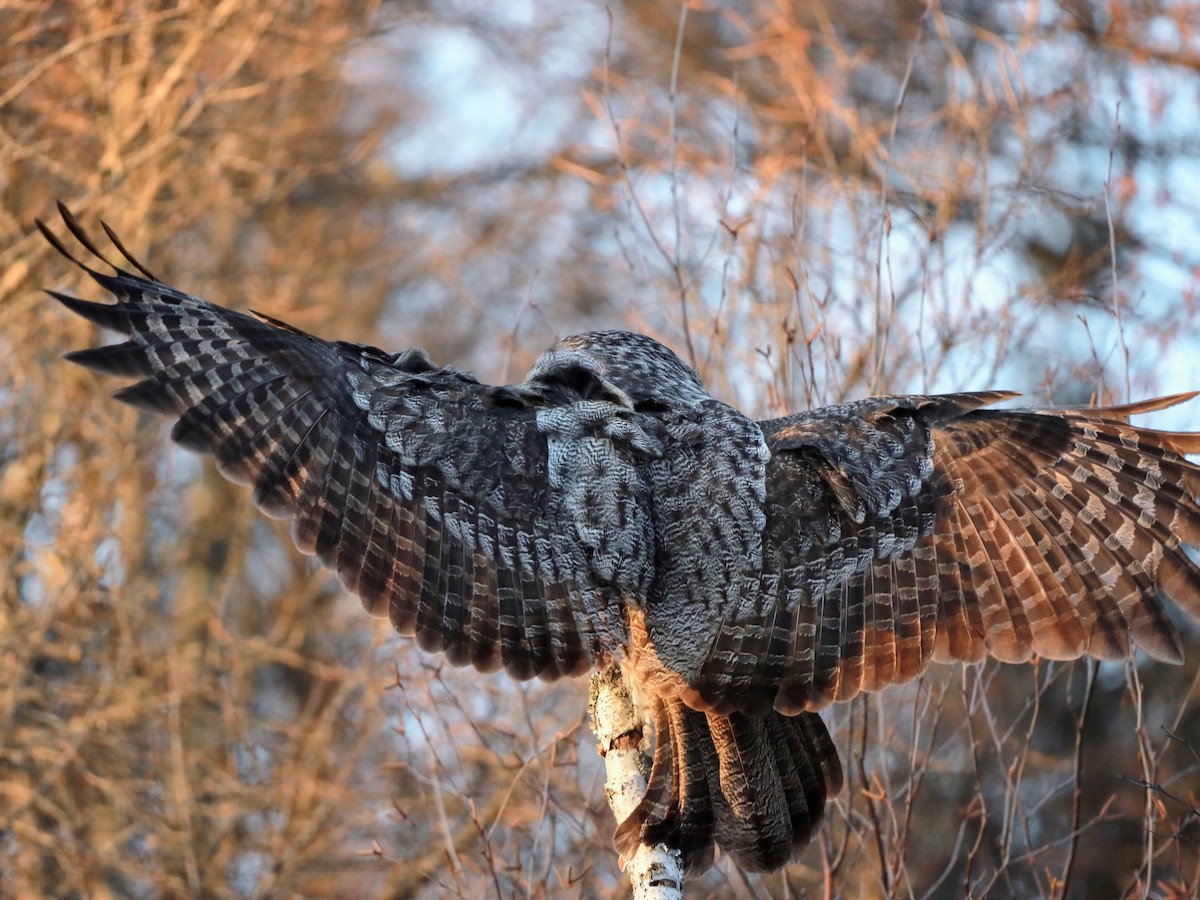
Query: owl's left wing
[[902, 530], [428, 492]]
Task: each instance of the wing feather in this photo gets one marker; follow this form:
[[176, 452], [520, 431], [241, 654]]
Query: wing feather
[[906, 529], [959, 631], [425, 490]]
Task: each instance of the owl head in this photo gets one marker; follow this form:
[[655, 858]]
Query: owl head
[[627, 369]]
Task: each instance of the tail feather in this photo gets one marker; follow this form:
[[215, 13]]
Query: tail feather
[[754, 786]]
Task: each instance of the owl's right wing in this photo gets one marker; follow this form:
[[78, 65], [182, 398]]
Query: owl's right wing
[[902, 530], [426, 491]]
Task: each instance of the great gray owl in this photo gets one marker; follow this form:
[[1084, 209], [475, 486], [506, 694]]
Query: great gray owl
[[744, 574]]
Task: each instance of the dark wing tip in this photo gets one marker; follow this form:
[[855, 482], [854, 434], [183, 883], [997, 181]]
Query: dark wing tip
[[58, 245], [107, 315], [80, 234], [116, 242]]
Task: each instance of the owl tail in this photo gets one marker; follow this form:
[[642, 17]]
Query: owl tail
[[756, 786]]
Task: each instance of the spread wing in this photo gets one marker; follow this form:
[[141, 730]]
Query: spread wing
[[425, 490], [902, 530]]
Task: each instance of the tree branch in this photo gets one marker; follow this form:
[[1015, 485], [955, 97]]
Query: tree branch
[[656, 872]]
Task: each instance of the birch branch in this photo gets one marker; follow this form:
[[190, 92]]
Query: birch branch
[[656, 872]]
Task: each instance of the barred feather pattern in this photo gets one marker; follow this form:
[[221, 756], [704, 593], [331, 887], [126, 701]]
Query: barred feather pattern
[[744, 574], [907, 529]]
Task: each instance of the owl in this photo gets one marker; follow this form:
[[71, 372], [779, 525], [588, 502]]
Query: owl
[[607, 510]]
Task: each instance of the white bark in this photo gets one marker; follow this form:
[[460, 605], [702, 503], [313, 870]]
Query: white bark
[[655, 872]]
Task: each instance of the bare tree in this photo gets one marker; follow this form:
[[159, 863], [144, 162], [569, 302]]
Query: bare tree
[[813, 200]]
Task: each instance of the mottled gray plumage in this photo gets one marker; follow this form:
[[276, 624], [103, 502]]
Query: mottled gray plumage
[[743, 573]]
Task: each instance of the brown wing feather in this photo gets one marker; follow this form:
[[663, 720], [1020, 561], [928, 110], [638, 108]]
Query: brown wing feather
[[906, 529]]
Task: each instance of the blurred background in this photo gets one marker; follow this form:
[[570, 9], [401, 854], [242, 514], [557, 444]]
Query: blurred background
[[810, 200]]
